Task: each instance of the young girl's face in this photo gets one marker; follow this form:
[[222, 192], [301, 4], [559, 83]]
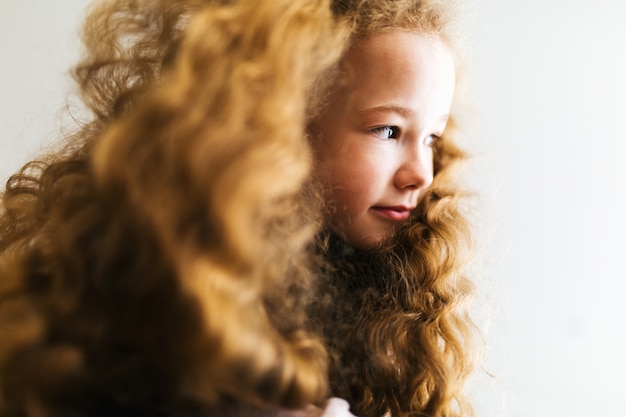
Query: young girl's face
[[373, 140]]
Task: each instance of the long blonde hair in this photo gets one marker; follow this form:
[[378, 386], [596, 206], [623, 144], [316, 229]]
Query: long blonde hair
[[164, 260], [159, 259]]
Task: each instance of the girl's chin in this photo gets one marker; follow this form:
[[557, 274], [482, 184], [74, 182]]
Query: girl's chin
[[364, 241]]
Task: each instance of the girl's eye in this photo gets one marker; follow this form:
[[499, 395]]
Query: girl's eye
[[387, 132], [430, 140]]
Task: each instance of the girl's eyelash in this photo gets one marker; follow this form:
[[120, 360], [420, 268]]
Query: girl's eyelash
[[387, 132], [393, 132]]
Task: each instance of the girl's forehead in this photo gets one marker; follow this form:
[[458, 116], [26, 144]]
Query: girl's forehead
[[388, 43], [398, 70], [404, 54]]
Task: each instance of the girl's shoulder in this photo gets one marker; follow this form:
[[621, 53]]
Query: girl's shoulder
[[336, 407], [333, 407]]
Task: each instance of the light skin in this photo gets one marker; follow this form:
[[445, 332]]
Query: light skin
[[373, 141]]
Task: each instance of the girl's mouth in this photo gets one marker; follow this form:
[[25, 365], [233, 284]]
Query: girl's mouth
[[396, 213]]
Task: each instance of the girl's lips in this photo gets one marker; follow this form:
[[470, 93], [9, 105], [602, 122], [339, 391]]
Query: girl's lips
[[393, 213]]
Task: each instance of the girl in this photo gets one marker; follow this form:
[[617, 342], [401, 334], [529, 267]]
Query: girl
[[247, 223], [393, 309]]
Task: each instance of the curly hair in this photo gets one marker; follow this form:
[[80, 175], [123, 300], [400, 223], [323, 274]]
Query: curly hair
[[171, 257], [396, 320], [158, 261]]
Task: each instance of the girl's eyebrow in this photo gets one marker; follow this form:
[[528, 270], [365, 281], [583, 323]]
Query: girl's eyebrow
[[390, 108], [400, 110]]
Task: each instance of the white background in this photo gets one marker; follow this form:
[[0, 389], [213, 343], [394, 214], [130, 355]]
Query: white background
[[550, 86], [551, 82]]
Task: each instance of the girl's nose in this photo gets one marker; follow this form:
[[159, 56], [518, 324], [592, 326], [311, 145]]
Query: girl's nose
[[416, 170]]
